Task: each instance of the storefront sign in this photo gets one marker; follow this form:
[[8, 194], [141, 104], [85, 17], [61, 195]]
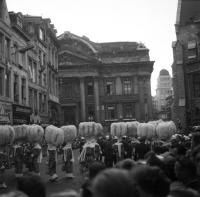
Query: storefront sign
[[5, 113], [21, 114]]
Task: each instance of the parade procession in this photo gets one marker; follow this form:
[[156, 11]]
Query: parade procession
[[115, 114], [22, 146]]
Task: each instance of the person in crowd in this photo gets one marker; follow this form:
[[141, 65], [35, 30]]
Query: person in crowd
[[14, 194], [95, 168], [150, 181], [67, 193], [183, 193], [32, 185], [196, 158], [3, 163], [195, 140], [126, 164], [18, 155], [141, 149], [153, 160], [36, 158], [82, 142], [68, 160], [52, 162], [113, 183], [185, 171], [108, 152]]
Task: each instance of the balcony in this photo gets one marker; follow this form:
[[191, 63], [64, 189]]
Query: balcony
[[69, 100], [119, 98]]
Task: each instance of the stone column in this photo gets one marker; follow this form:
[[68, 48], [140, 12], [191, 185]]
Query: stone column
[[27, 93], [96, 98], [82, 93], [20, 89], [135, 84], [141, 97], [150, 113]]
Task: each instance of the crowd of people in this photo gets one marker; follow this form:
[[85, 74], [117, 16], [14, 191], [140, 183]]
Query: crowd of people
[[125, 166]]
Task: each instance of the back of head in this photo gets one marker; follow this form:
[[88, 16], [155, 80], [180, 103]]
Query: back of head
[[151, 181], [113, 183], [32, 185], [14, 194], [126, 164], [68, 193], [95, 168], [184, 193]]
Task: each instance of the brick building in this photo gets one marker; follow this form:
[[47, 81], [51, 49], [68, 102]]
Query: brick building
[[104, 82], [186, 65]]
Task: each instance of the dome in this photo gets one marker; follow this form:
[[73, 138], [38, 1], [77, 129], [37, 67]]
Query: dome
[[164, 72]]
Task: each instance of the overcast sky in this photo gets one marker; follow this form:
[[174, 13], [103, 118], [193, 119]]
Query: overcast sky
[[148, 21]]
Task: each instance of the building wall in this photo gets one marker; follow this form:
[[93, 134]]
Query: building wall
[[5, 59], [186, 65]]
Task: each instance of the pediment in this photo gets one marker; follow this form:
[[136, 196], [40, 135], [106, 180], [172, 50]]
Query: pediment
[[69, 59]]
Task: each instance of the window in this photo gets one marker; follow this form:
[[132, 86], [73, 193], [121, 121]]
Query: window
[[41, 34], [23, 91], [30, 28], [44, 103], [127, 86], [128, 110], [16, 58], [35, 101], [109, 88], [16, 88], [196, 85], [7, 49], [32, 70], [1, 46], [31, 99], [40, 78], [91, 113], [110, 112], [7, 79], [40, 103], [19, 22], [192, 50], [44, 79], [1, 81], [90, 89]]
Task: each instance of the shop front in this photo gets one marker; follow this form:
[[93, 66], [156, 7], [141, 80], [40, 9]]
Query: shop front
[[21, 114], [5, 113]]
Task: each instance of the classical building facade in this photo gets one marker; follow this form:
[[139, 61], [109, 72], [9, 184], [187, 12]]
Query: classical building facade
[[103, 82], [163, 90], [186, 65]]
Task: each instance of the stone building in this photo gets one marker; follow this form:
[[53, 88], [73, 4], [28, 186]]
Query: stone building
[[20, 45], [6, 94], [163, 90], [103, 82], [42, 69], [28, 69], [186, 65]]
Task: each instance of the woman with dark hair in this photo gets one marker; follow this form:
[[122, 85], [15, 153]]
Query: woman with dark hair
[[185, 171], [150, 181], [113, 183], [32, 185], [196, 158]]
